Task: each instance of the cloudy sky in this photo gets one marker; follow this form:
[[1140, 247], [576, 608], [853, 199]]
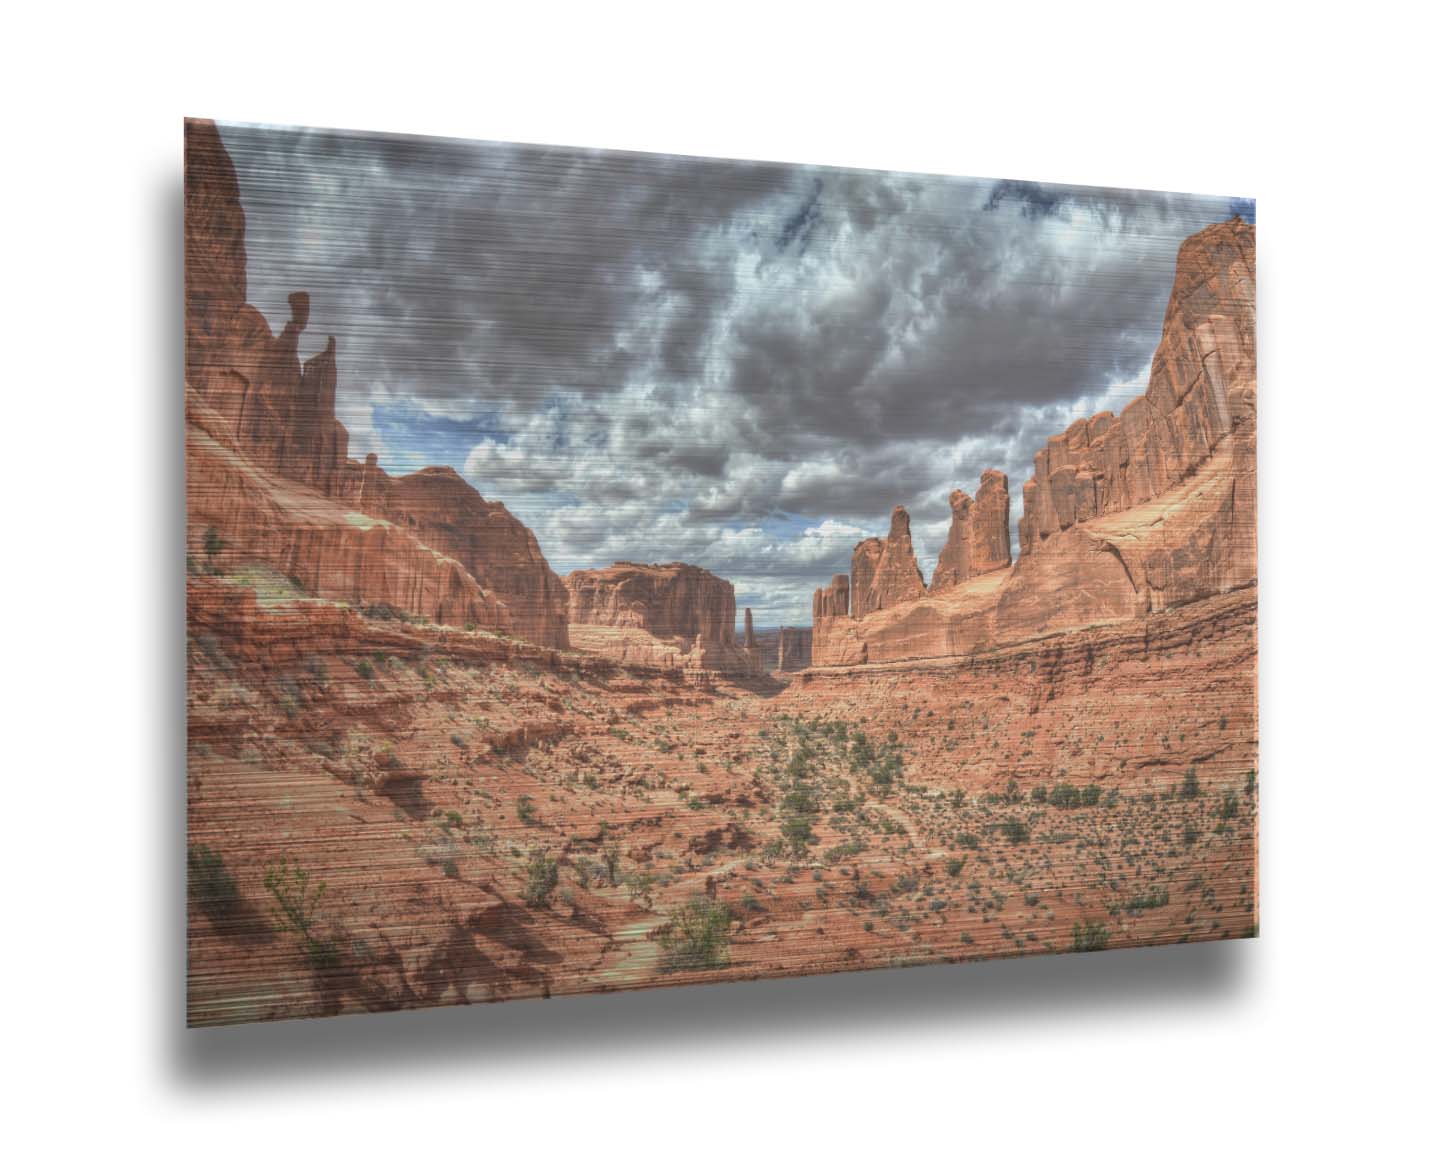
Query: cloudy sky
[[742, 366]]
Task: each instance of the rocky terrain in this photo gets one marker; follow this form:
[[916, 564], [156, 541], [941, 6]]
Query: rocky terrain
[[424, 769]]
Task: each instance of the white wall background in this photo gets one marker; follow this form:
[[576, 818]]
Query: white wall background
[[1318, 1034]]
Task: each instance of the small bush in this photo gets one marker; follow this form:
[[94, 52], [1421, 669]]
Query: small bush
[[1155, 898], [796, 830], [697, 936], [1190, 790], [365, 669], [1091, 936], [542, 874], [213, 544], [210, 883], [1065, 796], [1015, 830], [525, 809], [289, 886]]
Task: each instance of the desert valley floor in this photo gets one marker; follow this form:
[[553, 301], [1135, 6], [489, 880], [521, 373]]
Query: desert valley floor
[[496, 823]]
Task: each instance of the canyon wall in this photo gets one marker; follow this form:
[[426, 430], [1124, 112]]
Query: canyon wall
[[1202, 386], [268, 479], [1123, 517]]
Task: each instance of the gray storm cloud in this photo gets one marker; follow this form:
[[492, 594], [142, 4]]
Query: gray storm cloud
[[739, 365]]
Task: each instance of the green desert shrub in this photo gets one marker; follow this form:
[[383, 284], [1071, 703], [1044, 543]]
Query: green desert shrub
[[796, 830], [289, 886], [1155, 898], [542, 874], [1190, 789], [1091, 936], [697, 936]]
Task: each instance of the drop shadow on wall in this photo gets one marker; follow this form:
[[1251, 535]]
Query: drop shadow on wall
[[879, 1007], [875, 1008]]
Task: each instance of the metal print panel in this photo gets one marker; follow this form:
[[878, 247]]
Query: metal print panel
[[612, 570]]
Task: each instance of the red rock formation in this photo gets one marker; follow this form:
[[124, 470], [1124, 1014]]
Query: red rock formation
[[794, 649], [895, 577], [749, 630], [864, 561], [261, 417], [621, 609], [663, 599], [241, 515], [832, 601], [1116, 527], [979, 539], [499, 551], [281, 412], [1202, 387]]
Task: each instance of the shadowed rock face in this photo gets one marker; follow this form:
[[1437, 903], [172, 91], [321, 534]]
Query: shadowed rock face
[[1202, 387], [794, 649], [1123, 518], [266, 458], [979, 539]]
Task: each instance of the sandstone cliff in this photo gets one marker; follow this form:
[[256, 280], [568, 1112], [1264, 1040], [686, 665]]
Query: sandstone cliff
[[979, 539], [1202, 386], [1123, 518], [268, 479], [885, 572], [496, 548], [794, 649], [663, 599], [679, 602]]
